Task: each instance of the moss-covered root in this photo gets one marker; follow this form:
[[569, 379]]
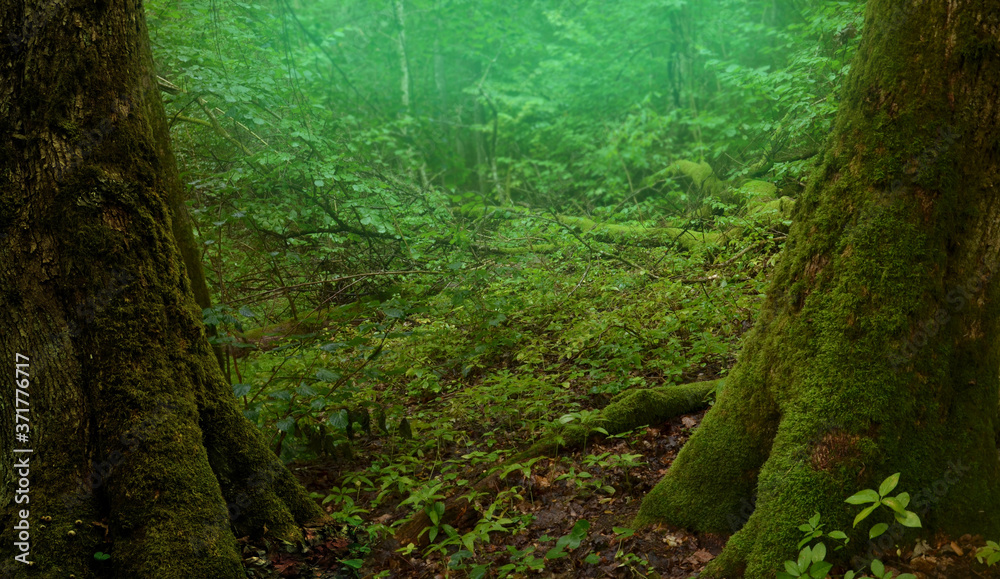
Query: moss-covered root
[[626, 411], [655, 405], [263, 496], [711, 481]]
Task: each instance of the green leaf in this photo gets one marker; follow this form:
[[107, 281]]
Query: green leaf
[[865, 496], [877, 567], [578, 533], [353, 563], [479, 571], [592, 558], [805, 558], [908, 519], [819, 552], [819, 569], [864, 514], [877, 530], [888, 484], [338, 420], [792, 568], [838, 535], [324, 375], [893, 504]]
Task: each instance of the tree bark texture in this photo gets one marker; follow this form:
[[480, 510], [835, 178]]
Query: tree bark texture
[[876, 351], [138, 447]]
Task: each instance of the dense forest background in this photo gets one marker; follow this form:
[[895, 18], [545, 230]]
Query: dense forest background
[[435, 230], [462, 191]]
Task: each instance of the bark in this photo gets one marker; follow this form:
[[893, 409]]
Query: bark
[[138, 447], [876, 349]]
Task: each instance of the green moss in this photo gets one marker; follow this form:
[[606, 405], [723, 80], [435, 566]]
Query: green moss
[[757, 190], [635, 408], [630, 409], [699, 173]]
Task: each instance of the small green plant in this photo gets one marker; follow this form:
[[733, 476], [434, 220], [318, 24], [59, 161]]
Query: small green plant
[[639, 566], [101, 556], [879, 572], [990, 554], [570, 541], [897, 503], [812, 559], [521, 561], [348, 512], [584, 481], [811, 563], [813, 529]]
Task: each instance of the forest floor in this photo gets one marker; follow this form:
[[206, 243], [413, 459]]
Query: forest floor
[[388, 410], [555, 495]]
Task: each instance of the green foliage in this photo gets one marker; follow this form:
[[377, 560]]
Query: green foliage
[[990, 554], [812, 558], [897, 504], [570, 541]]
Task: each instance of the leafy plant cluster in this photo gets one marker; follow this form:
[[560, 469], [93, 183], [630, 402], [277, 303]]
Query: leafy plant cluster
[[812, 558]]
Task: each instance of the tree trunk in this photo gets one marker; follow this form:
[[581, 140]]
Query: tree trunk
[[876, 350], [137, 446]]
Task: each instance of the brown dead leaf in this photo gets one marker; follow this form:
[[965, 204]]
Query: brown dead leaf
[[689, 422]]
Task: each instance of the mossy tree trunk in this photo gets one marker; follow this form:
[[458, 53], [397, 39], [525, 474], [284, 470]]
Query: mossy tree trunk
[[138, 447], [876, 351]]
